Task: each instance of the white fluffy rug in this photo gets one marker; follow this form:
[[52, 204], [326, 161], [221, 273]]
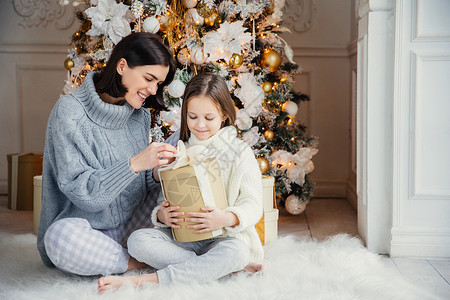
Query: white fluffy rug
[[338, 268]]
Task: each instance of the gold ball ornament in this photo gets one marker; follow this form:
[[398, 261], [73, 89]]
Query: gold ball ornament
[[268, 134], [211, 19], [267, 86], [236, 60], [271, 60], [68, 64], [204, 10], [263, 164]]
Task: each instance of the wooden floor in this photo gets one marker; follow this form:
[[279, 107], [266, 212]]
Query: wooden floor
[[321, 219]]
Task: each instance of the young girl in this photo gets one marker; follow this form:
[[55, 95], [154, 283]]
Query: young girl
[[207, 117]]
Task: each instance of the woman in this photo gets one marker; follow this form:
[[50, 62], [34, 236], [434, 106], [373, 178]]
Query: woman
[[98, 181]]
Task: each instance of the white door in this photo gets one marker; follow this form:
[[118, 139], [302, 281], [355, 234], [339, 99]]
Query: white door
[[403, 105]]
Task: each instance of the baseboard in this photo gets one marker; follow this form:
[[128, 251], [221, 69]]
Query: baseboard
[[330, 189], [420, 242], [3, 186], [351, 191]]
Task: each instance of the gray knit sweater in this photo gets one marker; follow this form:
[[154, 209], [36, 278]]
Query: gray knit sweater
[[86, 171]]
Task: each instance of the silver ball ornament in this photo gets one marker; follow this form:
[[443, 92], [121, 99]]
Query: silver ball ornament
[[290, 107], [294, 205], [151, 24]]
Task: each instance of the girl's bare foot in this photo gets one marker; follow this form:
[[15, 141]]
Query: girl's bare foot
[[115, 282]]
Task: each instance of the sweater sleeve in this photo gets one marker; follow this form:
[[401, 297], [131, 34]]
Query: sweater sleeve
[[248, 206], [154, 216], [79, 173], [173, 139]]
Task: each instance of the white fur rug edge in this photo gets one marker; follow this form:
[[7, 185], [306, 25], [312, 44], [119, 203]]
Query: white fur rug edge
[[338, 268]]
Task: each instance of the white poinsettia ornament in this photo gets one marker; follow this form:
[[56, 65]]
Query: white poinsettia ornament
[[296, 165], [252, 136], [243, 120], [172, 117], [250, 93], [110, 19], [228, 39]]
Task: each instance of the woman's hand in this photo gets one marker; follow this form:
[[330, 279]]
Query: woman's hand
[[211, 219], [155, 154], [168, 215]]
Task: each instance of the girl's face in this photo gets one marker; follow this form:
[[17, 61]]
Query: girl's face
[[141, 81], [204, 119]]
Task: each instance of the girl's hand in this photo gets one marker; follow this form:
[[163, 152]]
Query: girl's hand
[[212, 219], [168, 215], [155, 154]]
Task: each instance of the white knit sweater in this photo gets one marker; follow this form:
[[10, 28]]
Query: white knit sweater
[[242, 179]]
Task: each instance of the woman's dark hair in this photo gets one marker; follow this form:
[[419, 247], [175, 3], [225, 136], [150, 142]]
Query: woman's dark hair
[[214, 87], [138, 49]]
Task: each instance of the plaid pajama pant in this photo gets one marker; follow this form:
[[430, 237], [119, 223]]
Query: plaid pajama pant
[[75, 247]]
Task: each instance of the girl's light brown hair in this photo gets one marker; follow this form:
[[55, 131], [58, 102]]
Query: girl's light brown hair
[[214, 87]]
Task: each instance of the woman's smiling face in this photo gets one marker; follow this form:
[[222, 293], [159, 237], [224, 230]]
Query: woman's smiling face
[[141, 81]]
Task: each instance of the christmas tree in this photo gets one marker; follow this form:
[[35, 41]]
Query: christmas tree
[[238, 40]]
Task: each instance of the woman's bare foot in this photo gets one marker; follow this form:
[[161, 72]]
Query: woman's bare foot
[[114, 282], [253, 268]]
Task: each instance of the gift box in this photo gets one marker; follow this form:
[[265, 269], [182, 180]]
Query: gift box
[[37, 188], [192, 182], [22, 167], [267, 227], [269, 201]]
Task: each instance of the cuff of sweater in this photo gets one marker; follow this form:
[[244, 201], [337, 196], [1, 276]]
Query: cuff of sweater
[[122, 175], [154, 217], [239, 227], [150, 180]]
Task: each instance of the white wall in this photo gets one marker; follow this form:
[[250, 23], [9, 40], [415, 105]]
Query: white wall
[[321, 46], [351, 179], [374, 122], [33, 46]]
